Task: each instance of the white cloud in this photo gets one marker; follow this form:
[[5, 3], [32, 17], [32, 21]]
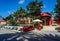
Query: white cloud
[[10, 12], [44, 6], [21, 1]]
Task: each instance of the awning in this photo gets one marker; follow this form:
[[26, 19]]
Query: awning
[[37, 20]]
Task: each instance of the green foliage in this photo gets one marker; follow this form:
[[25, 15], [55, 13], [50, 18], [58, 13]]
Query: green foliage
[[34, 9], [22, 22], [58, 16], [38, 23], [13, 17], [9, 17], [52, 13], [32, 23], [57, 9], [12, 21], [20, 12]]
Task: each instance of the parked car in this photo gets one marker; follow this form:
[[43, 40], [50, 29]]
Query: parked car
[[30, 28], [27, 28], [39, 27]]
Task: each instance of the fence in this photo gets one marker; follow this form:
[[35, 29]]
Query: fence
[[15, 27]]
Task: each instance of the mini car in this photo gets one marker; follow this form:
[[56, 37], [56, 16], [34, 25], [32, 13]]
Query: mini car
[[39, 27], [27, 28]]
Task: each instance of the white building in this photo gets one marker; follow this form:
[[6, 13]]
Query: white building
[[2, 22]]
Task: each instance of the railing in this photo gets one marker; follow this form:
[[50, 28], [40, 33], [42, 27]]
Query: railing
[[15, 27]]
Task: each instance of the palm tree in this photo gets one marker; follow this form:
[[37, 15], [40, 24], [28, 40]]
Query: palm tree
[[34, 8], [57, 9], [52, 13], [20, 13], [9, 17]]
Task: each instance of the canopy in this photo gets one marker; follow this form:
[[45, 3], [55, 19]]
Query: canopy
[[37, 20], [45, 14]]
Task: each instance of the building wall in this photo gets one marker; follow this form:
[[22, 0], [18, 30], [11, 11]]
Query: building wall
[[58, 22], [2, 22], [51, 22]]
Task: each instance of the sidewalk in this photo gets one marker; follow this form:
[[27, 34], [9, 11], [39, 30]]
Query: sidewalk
[[49, 28]]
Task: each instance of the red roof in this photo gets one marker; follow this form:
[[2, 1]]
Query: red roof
[[2, 21], [45, 14]]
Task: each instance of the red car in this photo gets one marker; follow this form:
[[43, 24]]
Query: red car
[[27, 28], [30, 28], [39, 27]]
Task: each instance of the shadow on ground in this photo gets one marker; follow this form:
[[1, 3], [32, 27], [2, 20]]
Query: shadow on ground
[[28, 36]]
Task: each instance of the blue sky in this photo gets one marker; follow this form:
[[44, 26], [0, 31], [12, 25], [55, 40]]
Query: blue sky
[[9, 6]]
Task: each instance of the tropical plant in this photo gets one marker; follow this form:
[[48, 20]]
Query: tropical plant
[[34, 8], [22, 22], [57, 9], [20, 12], [52, 13], [9, 17], [12, 21]]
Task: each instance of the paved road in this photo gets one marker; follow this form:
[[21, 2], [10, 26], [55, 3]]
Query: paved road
[[10, 35]]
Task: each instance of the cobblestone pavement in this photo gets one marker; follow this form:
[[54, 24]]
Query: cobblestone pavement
[[11, 35]]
